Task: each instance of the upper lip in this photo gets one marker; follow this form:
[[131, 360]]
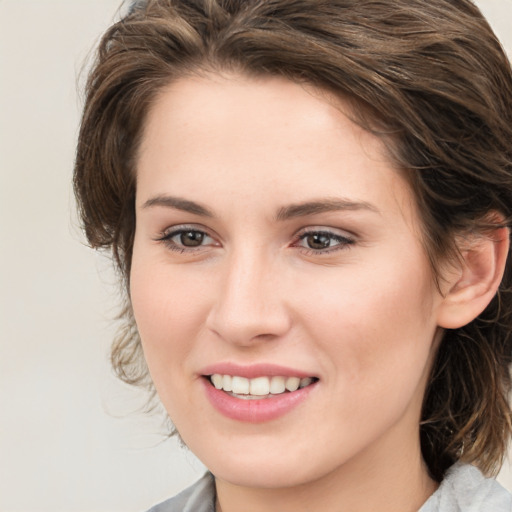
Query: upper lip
[[254, 370]]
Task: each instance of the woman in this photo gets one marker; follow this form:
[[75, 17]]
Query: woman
[[309, 203]]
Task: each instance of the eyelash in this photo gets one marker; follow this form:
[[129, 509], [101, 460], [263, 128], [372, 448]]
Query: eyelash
[[167, 239], [341, 242]]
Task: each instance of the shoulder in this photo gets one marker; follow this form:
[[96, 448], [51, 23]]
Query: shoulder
[[199, 497], [465, 489]]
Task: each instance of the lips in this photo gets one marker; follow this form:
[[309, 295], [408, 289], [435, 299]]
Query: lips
[[256, 393]]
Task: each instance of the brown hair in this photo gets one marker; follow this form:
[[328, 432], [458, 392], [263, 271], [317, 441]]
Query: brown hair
[[428, 75]]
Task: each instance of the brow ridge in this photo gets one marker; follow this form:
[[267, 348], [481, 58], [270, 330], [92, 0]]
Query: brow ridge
[[322, 206], [178, 203], [284, 213]]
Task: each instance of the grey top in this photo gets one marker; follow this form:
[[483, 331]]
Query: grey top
[[464, 489], [199, 497]]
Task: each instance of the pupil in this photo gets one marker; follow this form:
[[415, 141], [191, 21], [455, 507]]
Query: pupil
[[318, 241], [192, 238]]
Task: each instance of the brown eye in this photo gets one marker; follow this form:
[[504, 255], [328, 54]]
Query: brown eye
[[187, 239], [318, 241], [191, 238], [324, 241]]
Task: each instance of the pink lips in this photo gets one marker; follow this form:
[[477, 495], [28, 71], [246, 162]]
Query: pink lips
[[253, 371], [254, 411]]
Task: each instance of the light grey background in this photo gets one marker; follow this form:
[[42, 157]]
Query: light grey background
[[67, 440]]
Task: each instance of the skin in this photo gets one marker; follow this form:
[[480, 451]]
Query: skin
[[362, 315]]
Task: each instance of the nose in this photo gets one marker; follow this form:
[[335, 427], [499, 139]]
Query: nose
[[250, 306]]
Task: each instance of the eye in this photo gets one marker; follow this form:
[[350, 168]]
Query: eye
[[184, 238], [323, 241], [190, 238]]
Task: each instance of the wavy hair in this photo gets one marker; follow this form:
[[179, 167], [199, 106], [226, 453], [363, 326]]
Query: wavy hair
[[428, 76]]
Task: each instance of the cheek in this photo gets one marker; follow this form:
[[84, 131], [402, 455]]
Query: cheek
[[167, 309], [376, 326], [167, 312]]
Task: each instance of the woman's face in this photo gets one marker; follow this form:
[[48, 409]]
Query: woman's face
[[277, 246]]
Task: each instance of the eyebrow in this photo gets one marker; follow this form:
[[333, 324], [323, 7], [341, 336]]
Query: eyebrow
[[322, 206], [284, 213], [178, 204]]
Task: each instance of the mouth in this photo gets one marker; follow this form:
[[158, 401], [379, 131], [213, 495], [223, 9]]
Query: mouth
[[260, 387], [257, 393]]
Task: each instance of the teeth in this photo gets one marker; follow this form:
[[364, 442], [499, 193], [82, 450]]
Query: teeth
[[217, 381], [305, 382], [292, 383], [227, 384], [260, 386], [277, 385], [240, 385]]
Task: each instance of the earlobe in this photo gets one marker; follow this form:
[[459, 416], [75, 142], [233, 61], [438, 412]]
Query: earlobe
[[476, 280]]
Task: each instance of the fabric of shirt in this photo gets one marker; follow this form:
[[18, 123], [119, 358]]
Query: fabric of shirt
[[464, 489], [200, 497]]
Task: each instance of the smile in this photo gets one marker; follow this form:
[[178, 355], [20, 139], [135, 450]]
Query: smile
[[241, 403], [259, 387]]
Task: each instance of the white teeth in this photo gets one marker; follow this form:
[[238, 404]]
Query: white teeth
[[217, 380], [305, 382], [260, 386], [277, 385], [226, 383], [292, 383], [240, 385]]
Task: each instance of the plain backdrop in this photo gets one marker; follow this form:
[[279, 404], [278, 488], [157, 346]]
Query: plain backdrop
[[70, 437]]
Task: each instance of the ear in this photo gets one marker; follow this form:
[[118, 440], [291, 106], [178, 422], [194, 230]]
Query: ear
[[476, 278]]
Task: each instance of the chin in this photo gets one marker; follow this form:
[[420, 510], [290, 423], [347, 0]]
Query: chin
[[263, 475], [265, 465]]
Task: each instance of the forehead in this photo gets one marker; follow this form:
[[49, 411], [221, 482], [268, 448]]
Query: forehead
[[265, 137], [243, 106]]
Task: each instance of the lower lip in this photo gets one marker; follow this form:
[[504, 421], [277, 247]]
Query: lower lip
[[255, 411]]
